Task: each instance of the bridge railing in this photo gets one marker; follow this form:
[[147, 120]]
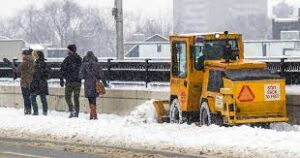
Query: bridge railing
[[158, 71]]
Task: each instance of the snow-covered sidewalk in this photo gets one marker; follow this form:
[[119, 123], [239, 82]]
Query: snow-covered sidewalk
[[139, 130]]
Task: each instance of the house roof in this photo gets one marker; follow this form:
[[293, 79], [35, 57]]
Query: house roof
[[155, 38]]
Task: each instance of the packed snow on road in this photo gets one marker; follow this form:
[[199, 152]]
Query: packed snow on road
[[140, 130]]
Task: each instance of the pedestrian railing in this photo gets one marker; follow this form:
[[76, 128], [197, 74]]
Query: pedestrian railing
[[158, 71]]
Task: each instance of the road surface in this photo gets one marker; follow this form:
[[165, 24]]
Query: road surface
[[19, 148]]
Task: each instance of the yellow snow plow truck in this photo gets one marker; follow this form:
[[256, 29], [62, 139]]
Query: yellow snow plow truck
[[211, 82]]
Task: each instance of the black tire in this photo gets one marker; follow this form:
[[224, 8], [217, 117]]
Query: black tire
[[175, 112], [262, 125], [207, 118]]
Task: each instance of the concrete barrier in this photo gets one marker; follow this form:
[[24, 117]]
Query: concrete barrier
[[293, 108], [116, 101]]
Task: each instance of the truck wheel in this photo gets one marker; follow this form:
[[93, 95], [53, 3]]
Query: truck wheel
[[175, 112], [262, 125], [207, 118]]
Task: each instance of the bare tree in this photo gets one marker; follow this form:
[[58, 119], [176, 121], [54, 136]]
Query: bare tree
[[283, 10], [65, 19], [62, 22], [95, 32], [4, 29], [151, 26], [31, 24]]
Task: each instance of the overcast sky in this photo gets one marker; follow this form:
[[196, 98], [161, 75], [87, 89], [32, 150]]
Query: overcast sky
[[10, 7]]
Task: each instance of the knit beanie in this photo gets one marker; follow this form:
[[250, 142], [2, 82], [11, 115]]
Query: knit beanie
[[72, 48]]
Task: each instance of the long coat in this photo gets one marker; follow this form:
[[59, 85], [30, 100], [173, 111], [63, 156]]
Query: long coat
[[39, 85], [90, 73], [25, 69]]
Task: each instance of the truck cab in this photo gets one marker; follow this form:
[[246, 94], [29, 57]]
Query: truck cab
[[211, 82]]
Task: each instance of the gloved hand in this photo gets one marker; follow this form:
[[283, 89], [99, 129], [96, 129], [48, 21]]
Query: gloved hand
[[62, 82], [6, 60], [15, 76]]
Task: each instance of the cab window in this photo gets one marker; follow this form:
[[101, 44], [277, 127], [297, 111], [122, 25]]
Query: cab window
[[214, 49], [198, 57], [215, 82], [179, 59]]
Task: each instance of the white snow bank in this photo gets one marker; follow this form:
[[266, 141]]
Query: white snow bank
[[293, 89], [120, 85], [131, 131], [143, 114]]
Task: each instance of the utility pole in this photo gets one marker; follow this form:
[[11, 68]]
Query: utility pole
[[117, 12]]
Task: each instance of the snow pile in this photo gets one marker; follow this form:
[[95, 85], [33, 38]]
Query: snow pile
[[293, 89], [54, 83], [130, 131], [144, 113]]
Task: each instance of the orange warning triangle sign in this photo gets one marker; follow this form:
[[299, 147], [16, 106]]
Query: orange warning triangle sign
[[246, 94]]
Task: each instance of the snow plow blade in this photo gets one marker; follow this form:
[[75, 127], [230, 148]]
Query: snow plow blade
[[162, 108]]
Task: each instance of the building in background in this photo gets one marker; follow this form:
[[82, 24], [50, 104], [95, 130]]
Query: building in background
[[244, 16], [11, 48], [286, 28], [155, 46]]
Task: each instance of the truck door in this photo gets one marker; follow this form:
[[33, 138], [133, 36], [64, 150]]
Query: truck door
[[179, 75]]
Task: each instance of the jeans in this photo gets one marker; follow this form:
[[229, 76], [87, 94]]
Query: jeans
[[27, 101], [71, 88], [35, 106]]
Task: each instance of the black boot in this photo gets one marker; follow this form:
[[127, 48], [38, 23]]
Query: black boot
[[45, 113], [76, 114], [27, 111], [35, 113], [73, 114]]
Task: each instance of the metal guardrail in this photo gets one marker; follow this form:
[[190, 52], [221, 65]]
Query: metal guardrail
[[158, 71]]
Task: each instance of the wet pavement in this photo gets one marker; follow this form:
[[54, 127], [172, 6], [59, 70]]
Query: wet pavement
[[19, 148]]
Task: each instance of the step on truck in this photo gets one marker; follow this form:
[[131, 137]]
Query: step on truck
[[212, 83]]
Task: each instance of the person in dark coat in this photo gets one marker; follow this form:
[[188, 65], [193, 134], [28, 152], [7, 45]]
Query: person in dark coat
[[70, 68], [39, 84], [91, 73]]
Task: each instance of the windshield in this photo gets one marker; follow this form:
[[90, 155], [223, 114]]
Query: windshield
[[214, 49], [250, 74]]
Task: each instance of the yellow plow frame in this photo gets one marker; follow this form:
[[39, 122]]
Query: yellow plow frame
[[162, 108]]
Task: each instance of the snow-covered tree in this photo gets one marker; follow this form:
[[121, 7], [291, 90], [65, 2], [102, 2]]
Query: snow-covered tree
[[283, 10]]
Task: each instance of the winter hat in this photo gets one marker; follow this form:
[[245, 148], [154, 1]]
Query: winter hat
[[24, 52], [72, 48], [27, 51]]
